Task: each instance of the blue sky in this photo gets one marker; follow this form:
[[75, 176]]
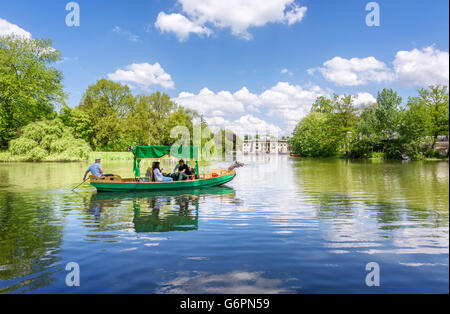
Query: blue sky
[[203, 53]]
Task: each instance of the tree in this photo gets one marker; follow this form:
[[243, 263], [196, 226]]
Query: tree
[[366, 137], [151, 116], [341, 115], [343, 120], [49, 140], [312, 136], [30, 89], [417, 121], [179, 117], [436, 100], [107, 104], [323, 105], [388, 113], [78, 121]]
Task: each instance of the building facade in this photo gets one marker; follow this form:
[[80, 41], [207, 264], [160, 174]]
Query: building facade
[[269, 146]]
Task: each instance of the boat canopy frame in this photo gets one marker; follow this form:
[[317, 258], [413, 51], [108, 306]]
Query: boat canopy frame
[[158, 151]]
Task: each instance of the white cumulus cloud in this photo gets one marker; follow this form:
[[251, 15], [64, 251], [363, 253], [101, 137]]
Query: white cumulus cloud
[[7, 28], [143, 75], [238, 15], [289, 102], [428, 66], [355, 71], [285, 102], [415, 68], [246, 124], [363, 100], [180, 25], [207, 102]]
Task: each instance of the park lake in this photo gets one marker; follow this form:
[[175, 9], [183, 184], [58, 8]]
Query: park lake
[[283, 225]]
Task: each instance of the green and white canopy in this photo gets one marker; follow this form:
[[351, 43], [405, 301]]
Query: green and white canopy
[[154, 152]]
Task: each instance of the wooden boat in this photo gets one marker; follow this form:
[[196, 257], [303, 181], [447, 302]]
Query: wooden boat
[[295, 155], [216, 177]]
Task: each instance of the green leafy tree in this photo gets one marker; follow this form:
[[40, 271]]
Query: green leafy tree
[[160, 107], [151, 116], [436, 100], [343, 120], [341, 116], [388, 113], [107, 104], [179, 117], [312, 136], [49, 140], [323, 105], [30, 89], [366, 137], [417, 120], [79, 121]]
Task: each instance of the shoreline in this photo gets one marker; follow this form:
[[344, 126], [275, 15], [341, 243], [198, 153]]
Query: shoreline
[[6, 157]]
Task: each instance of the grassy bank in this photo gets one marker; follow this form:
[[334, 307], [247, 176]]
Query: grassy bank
[[6, 156]]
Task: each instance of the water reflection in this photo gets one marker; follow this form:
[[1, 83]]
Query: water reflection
[[283, 225], [155, 211], [235, 282], [362, 204], [30, 240]]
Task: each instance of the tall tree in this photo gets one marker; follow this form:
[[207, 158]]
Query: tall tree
[[179, 117], [313, 136], [30, 88], [388, 113], [341, 116], [436, 100], [417, 121], [107, 104], [323, 105], [153, 112], [344, 119], [79, 121], [367, 135]]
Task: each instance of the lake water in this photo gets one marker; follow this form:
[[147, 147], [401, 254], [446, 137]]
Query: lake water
[[284, 225]]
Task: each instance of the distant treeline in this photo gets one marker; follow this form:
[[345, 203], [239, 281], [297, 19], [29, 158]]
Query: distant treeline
[[384, 129], [33, 113]]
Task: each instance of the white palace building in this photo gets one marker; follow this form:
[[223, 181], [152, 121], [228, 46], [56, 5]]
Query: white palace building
[[265, 146]]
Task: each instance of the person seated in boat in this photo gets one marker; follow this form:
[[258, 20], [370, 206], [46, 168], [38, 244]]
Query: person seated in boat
[[160, 177], [95, 169], [182, 171]]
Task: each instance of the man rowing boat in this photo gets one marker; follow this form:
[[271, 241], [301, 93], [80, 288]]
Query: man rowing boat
[[95, 169]]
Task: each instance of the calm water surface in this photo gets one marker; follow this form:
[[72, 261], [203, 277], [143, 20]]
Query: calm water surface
[[284, 225]]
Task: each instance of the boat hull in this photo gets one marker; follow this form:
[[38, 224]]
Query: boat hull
[[161, 186]]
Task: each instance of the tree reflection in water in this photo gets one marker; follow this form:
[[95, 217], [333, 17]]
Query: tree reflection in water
[[153, 211]]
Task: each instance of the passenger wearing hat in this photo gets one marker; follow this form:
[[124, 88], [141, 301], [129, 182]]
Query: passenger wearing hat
[[95, 169]]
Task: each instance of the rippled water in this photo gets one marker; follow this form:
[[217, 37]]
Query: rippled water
[[284, 225]]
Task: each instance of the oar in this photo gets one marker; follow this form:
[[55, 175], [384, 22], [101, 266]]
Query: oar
[[79, 184]]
